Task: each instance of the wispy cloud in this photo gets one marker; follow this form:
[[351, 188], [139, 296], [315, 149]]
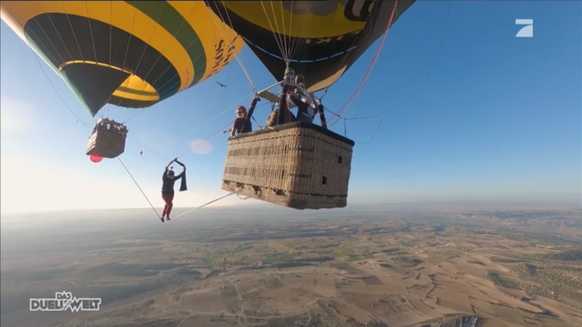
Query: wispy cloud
[[201, 146], [17, 115]]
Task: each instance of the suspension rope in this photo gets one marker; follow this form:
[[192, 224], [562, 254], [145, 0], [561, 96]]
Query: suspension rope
[[79, 120], [157, 154], [139, 187], [224, 34], [204, 124], [254, 88], [368, 72], [135, 114], [421, 85], [367, 35], [373, 135], [204, 205]]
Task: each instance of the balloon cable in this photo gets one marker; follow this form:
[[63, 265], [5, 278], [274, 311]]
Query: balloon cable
[[254, 88], [204, 124], [139, 187], [79, 120], [387, 111], [372, 64], [204, 205]]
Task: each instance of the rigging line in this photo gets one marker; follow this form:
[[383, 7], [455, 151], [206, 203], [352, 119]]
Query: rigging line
[[167, 44], [57, 92], [358, 110], [425, 80], [110, 31], [40, 46], [275, 33], [253, 86], [139, 187], [363, 98], [166, 47], [366, 76], [137, 112], [157, 154], [285, 39], [191, 147], [281, 33], [373, 135], [204, 124], [228, 73], [50, 41], [130, 36], [204, 205], [73, 31], [365, 35], [363, 81], [292, 39], [301, 38], [91, 32], [60, 38], [361, 102]]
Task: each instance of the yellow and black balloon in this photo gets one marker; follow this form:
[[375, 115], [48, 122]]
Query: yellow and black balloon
[[127, 53], [320, 39]]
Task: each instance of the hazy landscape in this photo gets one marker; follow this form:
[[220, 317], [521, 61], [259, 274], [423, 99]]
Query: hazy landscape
[[424, 266]]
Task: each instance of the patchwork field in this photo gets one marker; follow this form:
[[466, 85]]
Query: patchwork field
[[449, 268]]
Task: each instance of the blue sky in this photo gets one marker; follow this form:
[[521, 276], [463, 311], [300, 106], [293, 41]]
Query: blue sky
[[499, 118]]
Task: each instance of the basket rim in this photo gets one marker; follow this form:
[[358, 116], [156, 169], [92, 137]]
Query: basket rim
[[297, 124]]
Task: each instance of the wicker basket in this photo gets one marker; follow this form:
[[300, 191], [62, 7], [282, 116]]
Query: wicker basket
[[297, 165], [106, 143]]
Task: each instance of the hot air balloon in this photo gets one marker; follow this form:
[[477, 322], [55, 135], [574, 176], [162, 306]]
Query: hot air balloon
[[132, 54], [310, 45]]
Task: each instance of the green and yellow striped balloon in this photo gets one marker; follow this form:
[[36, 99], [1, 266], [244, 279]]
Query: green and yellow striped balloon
[[128, 53]]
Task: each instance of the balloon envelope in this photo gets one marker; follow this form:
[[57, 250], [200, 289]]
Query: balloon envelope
[[322, 39], [128, 53], [95, 158]]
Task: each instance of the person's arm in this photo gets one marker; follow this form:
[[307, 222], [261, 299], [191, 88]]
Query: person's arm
[[169, 163], [301, 106], [250, 114], [181, 164], [167, 167], [233, 129], [180, 175], [237, 126], [254, 103]]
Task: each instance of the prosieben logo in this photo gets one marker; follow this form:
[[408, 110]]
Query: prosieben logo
[[527, 30]]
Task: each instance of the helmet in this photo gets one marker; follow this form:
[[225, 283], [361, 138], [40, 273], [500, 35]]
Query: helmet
[[241, 109]]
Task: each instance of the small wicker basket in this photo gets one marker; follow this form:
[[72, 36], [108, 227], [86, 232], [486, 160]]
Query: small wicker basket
[[107, 144]]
